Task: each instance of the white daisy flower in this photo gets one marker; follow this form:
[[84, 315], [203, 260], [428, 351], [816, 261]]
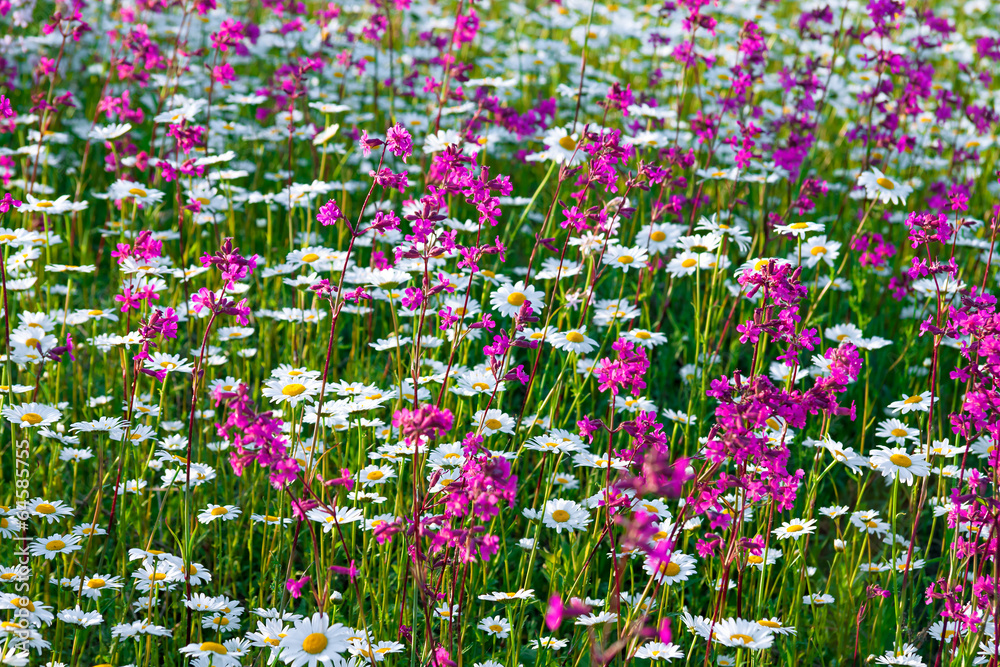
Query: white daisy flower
[[879, 186], [509, 298]]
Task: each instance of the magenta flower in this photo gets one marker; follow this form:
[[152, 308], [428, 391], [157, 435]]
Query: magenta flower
[[399, 142], [426, 421], [295, 586], [8, 202], [329, 213]]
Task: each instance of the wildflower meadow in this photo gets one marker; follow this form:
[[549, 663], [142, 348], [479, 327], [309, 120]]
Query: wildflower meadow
[[499, 333]]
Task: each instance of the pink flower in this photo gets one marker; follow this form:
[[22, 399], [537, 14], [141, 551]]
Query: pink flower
[[399, 142], [295, 586]]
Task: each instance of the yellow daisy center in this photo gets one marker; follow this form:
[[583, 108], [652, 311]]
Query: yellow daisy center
[[794, 528], [45, 508], [886, 183], [293, 389], [55, 545], [32, 418], [670, 569], [516, 299], [901, 460], [219, 511], [493, 424], [560, 516], [314, 643], [658, 236], [568, 143], [214, 648]]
